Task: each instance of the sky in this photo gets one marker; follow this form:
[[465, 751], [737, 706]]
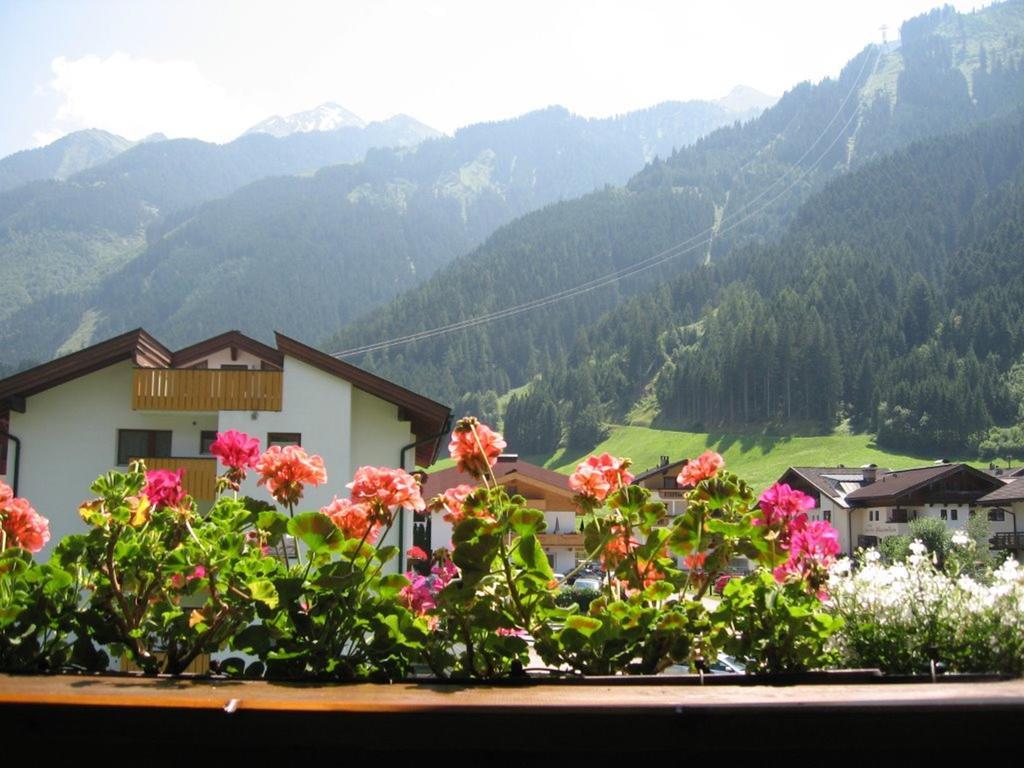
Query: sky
[[212, 68]]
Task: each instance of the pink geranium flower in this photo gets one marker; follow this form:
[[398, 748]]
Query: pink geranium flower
[[238, 452], [811, 551], [475, 446], [286, 471], [703, 467], [782, 505], [383, 488], [354, 520], [22, 526], [163, 487]]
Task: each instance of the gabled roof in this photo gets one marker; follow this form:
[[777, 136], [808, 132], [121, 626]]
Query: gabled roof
[[229, 339], [672, 467], [892, 486], [428, 417], [137, 346], [835, 482], [507, 469], [1012, 491]]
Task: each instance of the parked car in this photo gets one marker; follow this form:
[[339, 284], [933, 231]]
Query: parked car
[[586, 583], [723, 665]]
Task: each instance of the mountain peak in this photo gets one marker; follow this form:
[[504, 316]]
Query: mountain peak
[[329, 116], [743, 98]]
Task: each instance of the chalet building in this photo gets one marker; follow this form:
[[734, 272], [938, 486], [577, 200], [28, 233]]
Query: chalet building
[[829, 487], [1005, 507], [130, 397], [661, 482], [543, 490], [947, 492]]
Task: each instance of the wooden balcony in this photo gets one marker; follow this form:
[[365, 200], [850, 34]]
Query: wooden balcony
[[167, 389], [560, 539], [1008, 541], [200, 478]]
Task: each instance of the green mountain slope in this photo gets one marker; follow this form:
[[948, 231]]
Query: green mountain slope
[[60, 236], [62, 158], [749, 180], [728, 343], [346, 238]]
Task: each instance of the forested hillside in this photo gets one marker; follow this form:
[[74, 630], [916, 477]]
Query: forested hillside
[[59, 237], [62, 158], [311, 253], [797, 300]]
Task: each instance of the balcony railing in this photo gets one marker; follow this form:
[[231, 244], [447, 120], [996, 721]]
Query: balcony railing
[[164, 389], [1011, 541], [560, 539], [199, 479]]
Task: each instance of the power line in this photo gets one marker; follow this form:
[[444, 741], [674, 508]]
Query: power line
[[679, 249]]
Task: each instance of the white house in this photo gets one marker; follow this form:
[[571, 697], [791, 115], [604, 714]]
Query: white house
[[888, 502], [543, 490], [128, 397], [829, 487]]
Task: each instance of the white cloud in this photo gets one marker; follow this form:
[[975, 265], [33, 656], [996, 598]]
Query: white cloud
[[134, 97], [42, 138]]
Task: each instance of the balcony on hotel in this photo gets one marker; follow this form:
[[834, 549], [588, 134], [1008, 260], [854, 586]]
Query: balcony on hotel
[[170, 389]]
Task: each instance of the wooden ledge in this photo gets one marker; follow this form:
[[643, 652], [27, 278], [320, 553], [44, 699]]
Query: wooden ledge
[[532, 717]]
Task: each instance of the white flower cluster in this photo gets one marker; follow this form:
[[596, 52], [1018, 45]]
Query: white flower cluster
[[901, 617]]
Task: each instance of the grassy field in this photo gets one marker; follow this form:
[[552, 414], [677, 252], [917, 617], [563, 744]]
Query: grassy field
[[760, 459]]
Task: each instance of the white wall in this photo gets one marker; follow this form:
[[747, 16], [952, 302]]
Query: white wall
[[69, 438], [317, 405], [566, 522], [223, 357]]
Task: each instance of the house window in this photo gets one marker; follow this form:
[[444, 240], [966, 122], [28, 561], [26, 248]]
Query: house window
[[233, 367], [944, 514], [284, 438], [896, 516], [142, 444], [997, 515], [669, 483], [828, 515], [206, 439], [953, 514]]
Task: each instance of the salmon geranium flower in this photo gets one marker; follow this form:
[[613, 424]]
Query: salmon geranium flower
[[21, 525], [354, 520], [475, 446], [703, 467], [598, 476], [382, 488], [286, 471]]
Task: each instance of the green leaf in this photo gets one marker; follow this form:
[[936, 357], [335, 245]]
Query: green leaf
[[316, 531], [526, 522], [585, 625], [391, 585], [529, 554], [272, 521], [264, 591]]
